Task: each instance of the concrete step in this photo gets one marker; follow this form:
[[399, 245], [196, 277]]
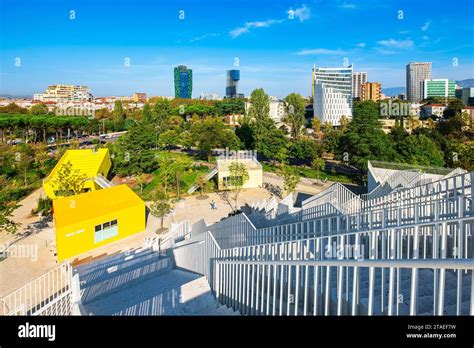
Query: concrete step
[[120, 277], [174, 293], [224, 310], [110, 261]]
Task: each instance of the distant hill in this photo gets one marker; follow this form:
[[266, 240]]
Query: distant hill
[[466, 83], [393, 91], [11, 96]]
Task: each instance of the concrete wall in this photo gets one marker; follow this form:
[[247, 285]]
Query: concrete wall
[[255, 179]]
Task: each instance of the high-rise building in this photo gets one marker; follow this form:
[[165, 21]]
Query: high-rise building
[[438, 88], [371, 91], [65, 94], [467, 96], [332, 94], [233, 77], [415, 75], [358, 79], [183, 82]]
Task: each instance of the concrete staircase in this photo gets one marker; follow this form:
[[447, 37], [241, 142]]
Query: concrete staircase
[[144, 283]]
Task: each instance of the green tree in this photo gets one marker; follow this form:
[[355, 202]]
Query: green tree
[[147, 115], [238, 176], [365, 139], [140, 180], [290, 177], [304, 149], [134, 152], [455, 106], [179, 167], [13, 108], [169, 138], [6, 223], [211, 133], [39, 109], [201, 183], [295, 111], [318, 164], [272, 143], [161, 206], [421, 150], [118, 113], [260, 105], [68, 181], [165, 171], [23, 161], [161, 112]]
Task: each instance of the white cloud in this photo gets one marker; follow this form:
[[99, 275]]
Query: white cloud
[[426, 26], [347, 5], [321, 51], [362, 44], [401, 44], [205, 36], [303, 13], [250, 25]]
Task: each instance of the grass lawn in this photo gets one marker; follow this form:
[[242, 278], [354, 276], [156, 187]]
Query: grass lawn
[[311, 173]]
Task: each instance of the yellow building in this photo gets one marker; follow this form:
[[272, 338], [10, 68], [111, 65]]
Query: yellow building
[[371, 91], [89, 220], [94, 164], [254, 169]]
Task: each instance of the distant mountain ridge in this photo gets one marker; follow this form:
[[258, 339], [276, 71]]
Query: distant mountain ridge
[[12, 96], [393, 91], [465, 83]]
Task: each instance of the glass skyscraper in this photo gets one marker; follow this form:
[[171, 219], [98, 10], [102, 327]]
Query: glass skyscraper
[[183, 82], [233, 77]]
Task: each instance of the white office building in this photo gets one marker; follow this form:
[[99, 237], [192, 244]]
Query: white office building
[[332, 94], [64, 94]]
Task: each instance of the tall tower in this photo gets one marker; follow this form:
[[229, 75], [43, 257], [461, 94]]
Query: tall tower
[[417, 73], [233, 77], [183, 82]]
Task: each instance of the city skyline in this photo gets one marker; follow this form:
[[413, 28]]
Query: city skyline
[[118, 50]]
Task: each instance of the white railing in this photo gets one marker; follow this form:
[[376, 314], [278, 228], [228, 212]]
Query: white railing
[[337, 195], [344, 287], [237, 232], [371, 282], [50, 294]]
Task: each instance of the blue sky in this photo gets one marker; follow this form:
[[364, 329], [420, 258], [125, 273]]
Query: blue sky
[[275, 43]]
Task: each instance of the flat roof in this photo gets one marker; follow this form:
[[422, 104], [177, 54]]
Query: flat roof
[[87, 161], [406, 166], [75, 209], [250, 164]]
